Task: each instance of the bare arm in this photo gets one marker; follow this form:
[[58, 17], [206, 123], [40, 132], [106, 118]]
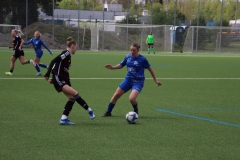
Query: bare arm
[[154, 77], [20, 47], [109, 66]]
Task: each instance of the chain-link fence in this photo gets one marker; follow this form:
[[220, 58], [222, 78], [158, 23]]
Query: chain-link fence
[[97, 30], [212, 39]]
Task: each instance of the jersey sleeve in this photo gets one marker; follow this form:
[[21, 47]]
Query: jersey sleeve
[[44, 45], [146, 64], [28, 42], [55, 60], [124, 61]]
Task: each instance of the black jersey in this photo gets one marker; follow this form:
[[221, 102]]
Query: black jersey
[[60, 65], [16, 42]]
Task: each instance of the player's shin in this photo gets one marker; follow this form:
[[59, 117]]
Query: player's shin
[[81, 101], [68, 108]]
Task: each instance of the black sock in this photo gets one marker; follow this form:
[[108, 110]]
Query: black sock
[[11, 70], [28, 61], [81, 101], [68, 106]]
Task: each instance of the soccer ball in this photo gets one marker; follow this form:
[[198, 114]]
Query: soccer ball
[[132, 117]]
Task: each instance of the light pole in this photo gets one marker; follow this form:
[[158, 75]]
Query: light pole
[[53, 24], [198, 16], [220, 37], [236, 13]]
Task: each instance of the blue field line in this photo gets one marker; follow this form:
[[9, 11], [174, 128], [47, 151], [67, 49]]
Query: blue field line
[[207, 109], [199, 118]]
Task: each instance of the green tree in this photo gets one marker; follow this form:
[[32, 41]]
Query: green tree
[[68, 4]]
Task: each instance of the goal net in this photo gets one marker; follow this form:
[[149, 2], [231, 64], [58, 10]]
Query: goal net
[[113, 37], [212, 39], [5, 34]]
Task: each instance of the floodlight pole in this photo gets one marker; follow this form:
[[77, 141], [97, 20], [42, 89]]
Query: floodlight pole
[[103, 26], [236, 13], [220, 38], [127, 27], [78, 23], [174, 24], [26, 19], [198, 16], [53, 24], [151, 14]]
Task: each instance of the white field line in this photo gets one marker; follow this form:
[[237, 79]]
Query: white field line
[[13, 78]]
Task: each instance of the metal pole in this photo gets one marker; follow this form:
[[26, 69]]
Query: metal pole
[[26, 19], [236, 13], [53, 24], [151, 14], [220, 38], [127, 27], [198, 16], [78, 24], [174, 24], [103, 26]]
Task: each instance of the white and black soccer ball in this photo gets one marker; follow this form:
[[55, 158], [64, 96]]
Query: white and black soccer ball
[[132, 117]]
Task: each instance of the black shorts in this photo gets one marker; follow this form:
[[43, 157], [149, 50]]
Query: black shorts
[[17, 53], [59, 82], [150, 44]]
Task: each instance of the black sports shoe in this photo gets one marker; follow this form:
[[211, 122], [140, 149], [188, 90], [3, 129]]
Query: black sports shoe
[[136, 110], [107, 114]]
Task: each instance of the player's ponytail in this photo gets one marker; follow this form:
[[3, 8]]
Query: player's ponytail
[[20, 33], [70, 41], [136, 46]]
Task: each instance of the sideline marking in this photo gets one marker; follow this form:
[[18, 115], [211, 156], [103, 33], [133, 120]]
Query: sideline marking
[[123, 78], [199, 118]]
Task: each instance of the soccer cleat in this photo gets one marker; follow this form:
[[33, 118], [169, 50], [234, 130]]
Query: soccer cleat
[[136, 110], [9, 73], [107, 114], [39, 74], [31, 61], [92, 116], [65, 122]]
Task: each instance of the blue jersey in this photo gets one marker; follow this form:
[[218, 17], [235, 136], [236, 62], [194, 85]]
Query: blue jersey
[[37, 44], [135, 67]]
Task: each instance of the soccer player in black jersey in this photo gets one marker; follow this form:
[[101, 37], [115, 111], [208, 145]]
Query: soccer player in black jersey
[[17, 50], [59, 67]]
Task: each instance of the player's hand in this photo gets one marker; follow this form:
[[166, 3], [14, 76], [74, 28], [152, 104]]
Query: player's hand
[[46, 78], [19, 48], [158, 83], [9, 47], [108, 66]]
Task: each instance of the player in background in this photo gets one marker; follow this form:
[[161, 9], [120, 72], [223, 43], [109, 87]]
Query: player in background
[[150, 42], [17, 50], [59, 67], [134, 80], [37, 44]]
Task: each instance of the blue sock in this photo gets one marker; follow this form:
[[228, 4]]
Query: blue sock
[[110, 107], [42, 65], [37, 67], [135, 106]]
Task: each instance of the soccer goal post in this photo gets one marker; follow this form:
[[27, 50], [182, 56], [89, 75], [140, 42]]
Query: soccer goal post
[[5, 34], [212, 39], [119, 37]]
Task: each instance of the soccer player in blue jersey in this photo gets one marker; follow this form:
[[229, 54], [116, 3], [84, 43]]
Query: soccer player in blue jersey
[[37, 44], [134, 80]]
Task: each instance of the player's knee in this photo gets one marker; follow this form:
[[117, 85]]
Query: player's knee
[[132, 100]]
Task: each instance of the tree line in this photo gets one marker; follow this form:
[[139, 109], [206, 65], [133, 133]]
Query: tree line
[[162, 11]]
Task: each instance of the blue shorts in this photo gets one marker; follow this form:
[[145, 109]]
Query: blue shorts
[[126, 85], [39, 55]]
